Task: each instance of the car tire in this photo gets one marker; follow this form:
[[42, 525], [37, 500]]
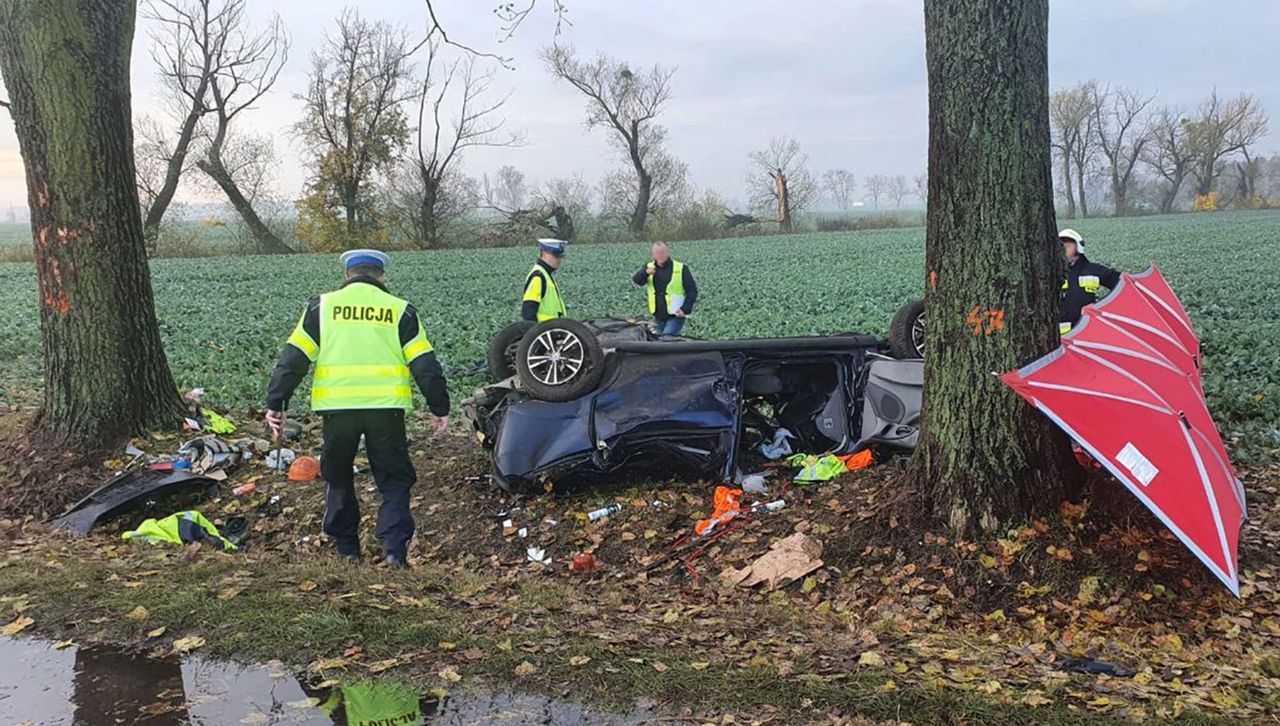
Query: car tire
[[906, 331], [559, 360], [504, 346]]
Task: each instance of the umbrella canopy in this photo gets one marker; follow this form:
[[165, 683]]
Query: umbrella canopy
[[1125, 384]]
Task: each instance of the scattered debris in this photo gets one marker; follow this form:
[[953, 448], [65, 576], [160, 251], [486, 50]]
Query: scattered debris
[[583, 563], [604, 512], [304, 468], [787, 560], [538, 555], [280, 458]]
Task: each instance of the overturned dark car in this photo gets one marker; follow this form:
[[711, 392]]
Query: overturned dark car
[[572, 400]]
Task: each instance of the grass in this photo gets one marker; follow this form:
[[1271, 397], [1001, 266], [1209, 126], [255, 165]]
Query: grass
[[88, 599]]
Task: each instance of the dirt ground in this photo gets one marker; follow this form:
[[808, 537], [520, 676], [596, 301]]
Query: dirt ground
[[1001, 620]]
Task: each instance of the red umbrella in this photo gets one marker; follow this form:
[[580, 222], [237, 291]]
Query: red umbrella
[[1125, 385]]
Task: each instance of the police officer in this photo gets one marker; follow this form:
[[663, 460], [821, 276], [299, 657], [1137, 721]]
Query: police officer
[[541, 300], [1084, 278], [671, 290], [368, 346]]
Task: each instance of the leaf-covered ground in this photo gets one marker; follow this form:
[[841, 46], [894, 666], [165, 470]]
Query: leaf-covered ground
[[225, 319], [900, 623]]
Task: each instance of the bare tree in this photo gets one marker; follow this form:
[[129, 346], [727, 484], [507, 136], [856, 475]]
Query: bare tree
[[899, 189], [564, 201], [353, 120], [627, 102], [877, 185], [1170, 153], [920, 187], [622, 191], [241, 68], [839, 185], [152, 151], [1123, 131], [507, 190], [1072, 122], [443, 135], [1221, 129], [780, 180]]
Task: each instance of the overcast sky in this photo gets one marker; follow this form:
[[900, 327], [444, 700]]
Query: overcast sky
[[845, 77]]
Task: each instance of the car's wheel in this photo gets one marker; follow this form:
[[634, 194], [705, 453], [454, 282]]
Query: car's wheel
[[906, 331], [500, 363], [559, 360]]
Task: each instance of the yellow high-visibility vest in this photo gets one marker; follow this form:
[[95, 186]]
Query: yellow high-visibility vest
[[540, 286], [674, 288], [360, 362]]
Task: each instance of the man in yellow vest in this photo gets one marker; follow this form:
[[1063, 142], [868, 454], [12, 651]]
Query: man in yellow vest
[[368, 347], [671, 290], [541, 300]]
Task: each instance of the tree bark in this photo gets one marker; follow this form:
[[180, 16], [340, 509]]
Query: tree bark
[[268, 242], [994, 267], [1066, 182], [173, 172], [66, 64], [784, 202], [640, 214]]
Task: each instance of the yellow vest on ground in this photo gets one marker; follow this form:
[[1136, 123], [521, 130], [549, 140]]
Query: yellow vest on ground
[[360, 363], [539, 285], [675, 288]]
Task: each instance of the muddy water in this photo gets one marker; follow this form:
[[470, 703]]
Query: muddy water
[[92, 685]]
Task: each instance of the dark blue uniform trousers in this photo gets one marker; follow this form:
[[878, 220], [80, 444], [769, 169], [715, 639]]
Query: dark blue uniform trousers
[[388, 450]]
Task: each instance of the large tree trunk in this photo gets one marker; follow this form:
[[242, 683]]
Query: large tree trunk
[[1120, 194], [66, 65], [1084, 201], [267, 241], [784, 202], [640, 214], [993, 263], [1170, 199]]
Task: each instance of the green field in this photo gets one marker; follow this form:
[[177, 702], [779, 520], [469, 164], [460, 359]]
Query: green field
[[224, 319]]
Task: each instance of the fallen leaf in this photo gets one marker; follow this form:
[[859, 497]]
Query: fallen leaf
[[63, 644], [187, 644], [872, 659], [17, 626], [670, 616], [450, 675], [660, 667], [328, 664], [526, 669], [1035, 699], [307, 585], [229, 593], [446, 645], [383, 665], [700, 665], [137, 614], [579, 660], [157, 632]]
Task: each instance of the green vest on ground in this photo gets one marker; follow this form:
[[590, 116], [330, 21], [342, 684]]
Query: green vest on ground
[[674, 288], [179, 528], [360, 363], [550, 306]]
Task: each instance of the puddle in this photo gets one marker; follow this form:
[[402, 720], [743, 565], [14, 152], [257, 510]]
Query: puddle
[[95, 685]]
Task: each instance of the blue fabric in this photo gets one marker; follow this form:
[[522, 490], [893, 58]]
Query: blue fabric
[[555, 248], [363, 260], [670, 326]]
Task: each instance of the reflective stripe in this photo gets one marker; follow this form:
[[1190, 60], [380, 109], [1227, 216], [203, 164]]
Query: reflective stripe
[[1064, 328], [675, 288], [368, 396], [362, 371], [550, 304], [416, 348], [303, 342]]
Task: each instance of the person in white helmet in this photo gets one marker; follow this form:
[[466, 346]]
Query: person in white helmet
[[1084, 279]]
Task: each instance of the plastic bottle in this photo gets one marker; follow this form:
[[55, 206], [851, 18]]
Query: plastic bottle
[[606, 511], [244, 489], [774, 505]]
